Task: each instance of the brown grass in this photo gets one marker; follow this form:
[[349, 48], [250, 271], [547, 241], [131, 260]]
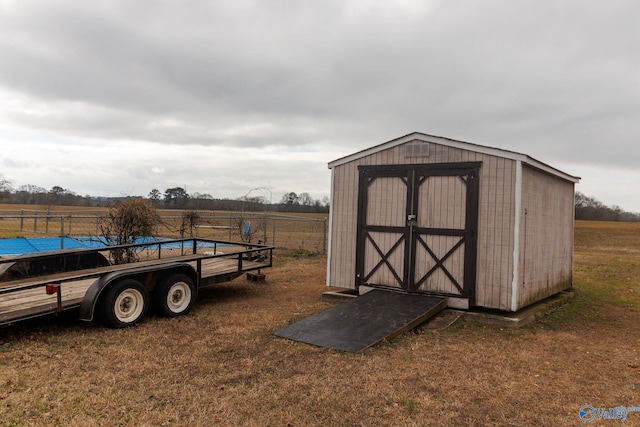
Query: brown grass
[[222, 366]]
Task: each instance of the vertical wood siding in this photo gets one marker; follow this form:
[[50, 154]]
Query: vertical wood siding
[[438, 281], [344, 209], [495, 226], [441, 204], [546, 236], [383, 274], [387, 201], [495, 233]]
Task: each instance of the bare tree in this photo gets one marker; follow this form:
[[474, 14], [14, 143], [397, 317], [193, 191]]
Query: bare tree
[[190, 220], [5, 187], [5, 184], [305, 199], [290, 198], [124, 224]]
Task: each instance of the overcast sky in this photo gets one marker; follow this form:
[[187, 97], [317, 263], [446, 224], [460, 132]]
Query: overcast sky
[[117, 98]]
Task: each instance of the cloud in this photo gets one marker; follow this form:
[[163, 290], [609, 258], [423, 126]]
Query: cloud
[[555, 80]]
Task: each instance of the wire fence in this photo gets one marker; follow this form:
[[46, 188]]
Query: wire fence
[[285, 232]]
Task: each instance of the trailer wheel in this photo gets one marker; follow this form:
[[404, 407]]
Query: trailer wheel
[[175, 295], [124, 304]]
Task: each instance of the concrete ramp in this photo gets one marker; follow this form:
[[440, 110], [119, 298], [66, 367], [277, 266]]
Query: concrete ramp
[[364, 321]]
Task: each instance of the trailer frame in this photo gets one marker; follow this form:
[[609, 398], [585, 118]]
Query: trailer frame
[[195, 262]]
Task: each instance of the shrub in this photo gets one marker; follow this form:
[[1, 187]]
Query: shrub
[[125, 223]]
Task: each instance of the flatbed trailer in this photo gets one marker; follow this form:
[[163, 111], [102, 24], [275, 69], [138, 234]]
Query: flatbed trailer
[[164, 275]]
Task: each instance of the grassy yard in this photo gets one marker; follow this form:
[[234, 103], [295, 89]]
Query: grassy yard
[[222, 366]]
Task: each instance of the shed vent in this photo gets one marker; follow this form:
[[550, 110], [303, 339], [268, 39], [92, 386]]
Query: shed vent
[[416, 148]]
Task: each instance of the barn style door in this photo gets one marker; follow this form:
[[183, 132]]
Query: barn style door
[[417, 228]]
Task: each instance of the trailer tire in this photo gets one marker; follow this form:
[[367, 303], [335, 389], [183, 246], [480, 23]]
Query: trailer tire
[[124, 304], [175, 296]]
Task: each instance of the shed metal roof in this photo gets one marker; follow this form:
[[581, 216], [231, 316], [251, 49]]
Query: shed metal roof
[[456, 144]]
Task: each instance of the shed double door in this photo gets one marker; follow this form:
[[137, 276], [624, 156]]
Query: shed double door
[[417, 228]]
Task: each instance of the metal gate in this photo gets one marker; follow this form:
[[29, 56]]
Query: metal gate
[[417, 228]]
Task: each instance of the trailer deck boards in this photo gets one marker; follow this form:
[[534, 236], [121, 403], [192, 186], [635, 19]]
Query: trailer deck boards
[[32, 302], [364, 321], [26, 298]]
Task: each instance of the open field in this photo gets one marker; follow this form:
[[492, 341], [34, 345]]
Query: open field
[[221, 366], [288, 231]]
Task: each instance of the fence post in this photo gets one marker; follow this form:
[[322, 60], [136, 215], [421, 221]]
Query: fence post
[[61, 231], [46, 223], [264, 226], [324, 236], [35, 222], [230, 227], [21, 219], [273, 235]]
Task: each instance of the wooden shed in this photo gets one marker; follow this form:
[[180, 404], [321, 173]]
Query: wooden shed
[[483, 226]]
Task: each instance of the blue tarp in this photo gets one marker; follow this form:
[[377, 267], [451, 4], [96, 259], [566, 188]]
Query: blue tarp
[[26, 245]]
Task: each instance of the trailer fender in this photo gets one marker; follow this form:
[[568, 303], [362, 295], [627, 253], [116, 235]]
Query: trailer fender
[[143, 274]]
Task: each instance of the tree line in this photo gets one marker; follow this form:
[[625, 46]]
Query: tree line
[[589, 208], [177, 197], [171, 198]]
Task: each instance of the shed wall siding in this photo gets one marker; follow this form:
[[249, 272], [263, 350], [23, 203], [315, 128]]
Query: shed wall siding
[[495, 226], [546, 236], [495, 233], [344, 226]]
